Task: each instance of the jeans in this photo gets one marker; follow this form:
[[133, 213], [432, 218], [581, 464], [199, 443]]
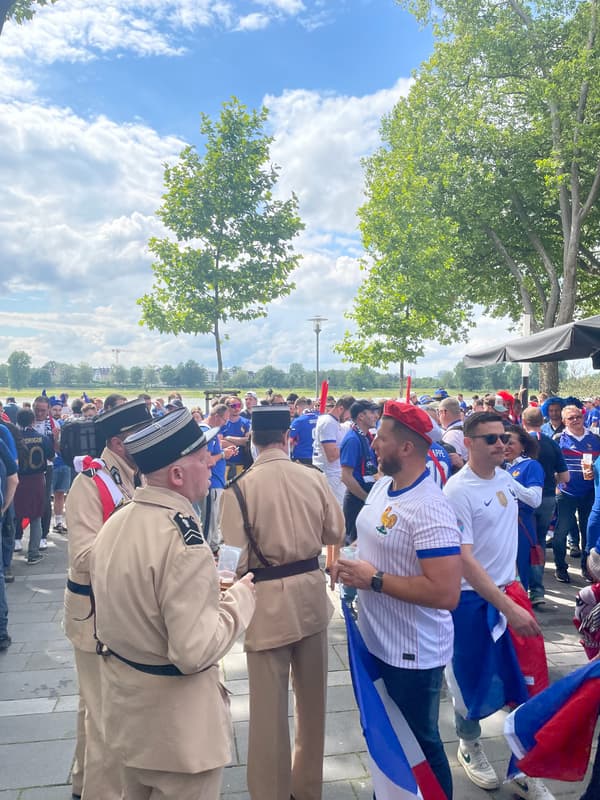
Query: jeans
[[352, 508], [543, 517], [35, 536], [8, 537], [416, 692], [467, 729], [593, 528], [567, 506], [3, 602]]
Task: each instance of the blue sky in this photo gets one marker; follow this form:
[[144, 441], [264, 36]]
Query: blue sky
[[95, 95]]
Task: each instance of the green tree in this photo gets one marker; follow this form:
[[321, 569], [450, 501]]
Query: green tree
[[19, 10], [19, 367], [493, 159], [270, 377], [232, 252], [136, 375], [85, 374], [3, 374], [297, 376], [119, 375], [150, 377], [40, 377], [167, 375]]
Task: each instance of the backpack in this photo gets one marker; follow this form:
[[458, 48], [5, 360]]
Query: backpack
[[80, 437]]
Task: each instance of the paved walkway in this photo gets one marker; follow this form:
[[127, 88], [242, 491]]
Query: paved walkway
[[38, 697]]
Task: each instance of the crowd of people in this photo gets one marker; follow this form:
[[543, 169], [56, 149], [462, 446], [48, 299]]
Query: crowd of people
[[436, 515]]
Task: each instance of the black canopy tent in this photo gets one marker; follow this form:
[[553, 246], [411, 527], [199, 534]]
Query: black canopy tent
[[580, 339]]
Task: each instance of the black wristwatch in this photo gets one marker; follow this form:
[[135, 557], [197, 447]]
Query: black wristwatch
[[377, 582]]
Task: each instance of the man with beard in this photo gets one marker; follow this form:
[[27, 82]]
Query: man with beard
[[408, 577]]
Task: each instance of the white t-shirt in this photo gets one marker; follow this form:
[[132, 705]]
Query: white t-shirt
[[328, 429], [453, 435], [396, 530], [487, 513]]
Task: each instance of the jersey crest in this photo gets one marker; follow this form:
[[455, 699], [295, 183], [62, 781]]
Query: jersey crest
[[188, 527]]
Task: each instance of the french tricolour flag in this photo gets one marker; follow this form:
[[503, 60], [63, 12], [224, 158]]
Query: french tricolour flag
[[398, 767], [542, 731]]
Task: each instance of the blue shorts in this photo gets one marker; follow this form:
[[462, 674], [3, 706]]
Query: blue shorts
[[61, 478]]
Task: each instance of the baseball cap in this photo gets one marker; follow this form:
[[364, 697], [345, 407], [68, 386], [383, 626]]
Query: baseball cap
[[251, 394], [360, 406], [411, 417]]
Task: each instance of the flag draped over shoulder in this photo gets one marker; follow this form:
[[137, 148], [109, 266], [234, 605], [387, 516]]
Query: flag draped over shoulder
[[399, 770], [542, 731]]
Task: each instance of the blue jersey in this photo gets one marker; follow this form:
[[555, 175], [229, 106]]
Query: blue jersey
[[9, 440], [592, 418], [302, 434], [438, 463], [217, 472], [573, 450], [238, 428], [356, 452]]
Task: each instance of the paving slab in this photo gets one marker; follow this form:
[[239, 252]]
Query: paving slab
[[36, 764]]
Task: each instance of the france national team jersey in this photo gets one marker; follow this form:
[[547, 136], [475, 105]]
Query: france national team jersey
[[573, 450], [302, 434], [438, 463]]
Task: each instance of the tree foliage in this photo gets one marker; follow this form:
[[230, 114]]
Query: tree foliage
[[231, 253], [19, 10], [486, 184], [19, 368]]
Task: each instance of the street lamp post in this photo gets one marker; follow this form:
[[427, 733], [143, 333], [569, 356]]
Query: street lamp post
[[316, 321]]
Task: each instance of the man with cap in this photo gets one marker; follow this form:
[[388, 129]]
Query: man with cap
[[163, 625], [101, 486], [408, 577], [282, 513]]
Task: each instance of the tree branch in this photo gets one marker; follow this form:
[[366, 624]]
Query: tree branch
[[513, 269]]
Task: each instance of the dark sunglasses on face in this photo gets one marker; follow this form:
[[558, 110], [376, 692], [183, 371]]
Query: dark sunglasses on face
[[235, 405], [492, 438]]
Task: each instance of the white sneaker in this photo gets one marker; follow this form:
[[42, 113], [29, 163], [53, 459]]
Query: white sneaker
[[529, 788], [43, 544], [475, 764], [18, 545]]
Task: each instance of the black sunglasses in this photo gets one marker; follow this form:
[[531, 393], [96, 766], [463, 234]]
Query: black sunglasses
[[492, 438]]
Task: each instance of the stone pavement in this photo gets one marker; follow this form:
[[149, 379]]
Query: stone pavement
[[38, 697]]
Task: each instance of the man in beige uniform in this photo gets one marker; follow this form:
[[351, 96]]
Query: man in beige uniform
[[291, 514], [103, 483], [164, 624]]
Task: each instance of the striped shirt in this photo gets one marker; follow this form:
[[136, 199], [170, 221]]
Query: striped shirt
[[396, 530]]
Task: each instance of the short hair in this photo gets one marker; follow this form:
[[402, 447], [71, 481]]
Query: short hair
[[451, 405], [41, 399], [113, 400], [570, 409], [25, 417], [302, 401], [533, 416], [265, 438], [346, 401], [89, 407], [77, 405], [479, 418], [220, 409], [406, 434], [530, 446], [144, 396], [291, 398]]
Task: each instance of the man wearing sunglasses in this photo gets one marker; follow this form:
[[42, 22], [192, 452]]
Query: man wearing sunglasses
[[236, 431], [484, 674]]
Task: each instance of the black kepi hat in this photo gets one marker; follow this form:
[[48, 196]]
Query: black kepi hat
[[164, 441], [271, 418], [123, 418]]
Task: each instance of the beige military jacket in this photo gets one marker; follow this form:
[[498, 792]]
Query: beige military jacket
[[84, 520], [157, 602], [293, 513]]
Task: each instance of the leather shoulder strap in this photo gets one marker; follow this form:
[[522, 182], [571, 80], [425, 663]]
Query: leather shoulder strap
[[247, 527]]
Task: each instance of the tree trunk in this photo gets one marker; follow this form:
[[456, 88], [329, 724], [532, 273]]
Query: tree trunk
[[401, 386], [549, 377], [5, 6], [219, 355]]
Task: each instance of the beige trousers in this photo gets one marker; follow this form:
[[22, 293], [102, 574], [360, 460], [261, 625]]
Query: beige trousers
[[148, 784], [100, 773], [273, 773], [77, 770]]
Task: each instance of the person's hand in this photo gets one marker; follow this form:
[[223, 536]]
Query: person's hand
[[230, 451], [247, 581], [355, 573], [521, 621], [333, 575], [456, 461]]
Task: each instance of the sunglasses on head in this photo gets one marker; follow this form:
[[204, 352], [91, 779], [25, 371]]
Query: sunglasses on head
[[492, 438]]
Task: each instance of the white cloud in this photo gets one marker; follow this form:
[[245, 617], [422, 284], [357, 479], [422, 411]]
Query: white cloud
[[80, 30], [320, 139], [253, 22]]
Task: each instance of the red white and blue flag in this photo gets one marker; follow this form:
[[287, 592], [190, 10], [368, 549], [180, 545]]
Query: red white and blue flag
[[541, 732], [399, 770]]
